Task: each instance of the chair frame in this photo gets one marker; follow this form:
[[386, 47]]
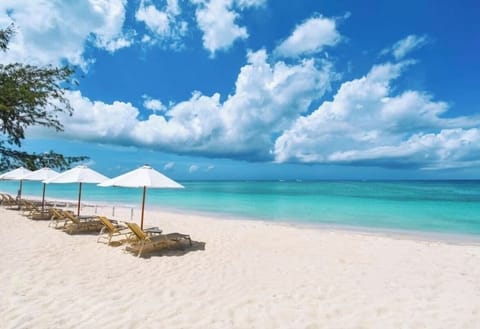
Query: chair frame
[[87, 224], [144, 240], [110, 230], [156, 242]]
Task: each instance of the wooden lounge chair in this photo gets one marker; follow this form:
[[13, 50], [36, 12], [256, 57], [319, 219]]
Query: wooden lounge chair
[[75, 224], [111, 230], [4, 199], [27, 207], [66, 220], [58, 218], [34, 210], [146, 242], [9, 202]]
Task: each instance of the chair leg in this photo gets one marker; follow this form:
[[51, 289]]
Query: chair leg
[[100, 235], [141, 249]]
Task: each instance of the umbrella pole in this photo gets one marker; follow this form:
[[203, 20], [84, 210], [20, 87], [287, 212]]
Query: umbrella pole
[[79, 197], [20, 189], [143, 205], [43, 197]]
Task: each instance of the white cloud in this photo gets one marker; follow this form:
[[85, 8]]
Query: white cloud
[[267, 116], [193, 168], [108, 34], [165, 24], [401, 48], [267, 98], [242, 4], [50, 32], [156, 20], [217, 20], [449, 148], [122, 42], [95, 120], [153, 104], [169, 166], [365, 124], [310, 37]]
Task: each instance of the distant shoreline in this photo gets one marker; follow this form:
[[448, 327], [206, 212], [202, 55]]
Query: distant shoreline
[[429, 236], [446, 210]]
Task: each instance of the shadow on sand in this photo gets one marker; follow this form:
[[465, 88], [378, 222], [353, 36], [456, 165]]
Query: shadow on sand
[[178, 249]]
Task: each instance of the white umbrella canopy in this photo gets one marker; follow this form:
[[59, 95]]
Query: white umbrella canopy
[[41, 175], [80, 174], [145, 176], [16, 174]]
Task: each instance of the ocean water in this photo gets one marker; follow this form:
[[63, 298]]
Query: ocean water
[[451, 207]]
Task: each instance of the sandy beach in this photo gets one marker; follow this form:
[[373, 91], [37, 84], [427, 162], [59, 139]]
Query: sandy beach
[[239, 274]]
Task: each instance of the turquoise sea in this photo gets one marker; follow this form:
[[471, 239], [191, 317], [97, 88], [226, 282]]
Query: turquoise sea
[[451, 207]]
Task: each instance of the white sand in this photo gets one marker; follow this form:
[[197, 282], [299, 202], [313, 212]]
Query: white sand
[[248, 275]]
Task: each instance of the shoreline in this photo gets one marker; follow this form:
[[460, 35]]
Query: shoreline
[[428, 236], [452, 238]]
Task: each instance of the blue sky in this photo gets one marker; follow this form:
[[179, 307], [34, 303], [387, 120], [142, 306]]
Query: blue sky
[[262, 89]]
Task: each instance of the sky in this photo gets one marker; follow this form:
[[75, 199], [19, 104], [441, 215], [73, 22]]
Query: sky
[[261, 89]]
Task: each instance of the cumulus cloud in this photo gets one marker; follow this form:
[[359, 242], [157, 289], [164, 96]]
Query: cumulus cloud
[[217, 20], [165, 24], [402, 47], [95, 121], [153, 104], [310, 37], [267, 98], [449, 148], [242, 4], [50, 32], [366, 124]]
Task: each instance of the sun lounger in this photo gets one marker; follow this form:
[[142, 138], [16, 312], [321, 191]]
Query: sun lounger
[[45, 214], [9, 202], [37, 213], [34, 211], [75, 224], [27, 207], [111, 230], [3, 199], [70, 223], [58, 219], [145, 242], [142, 241]]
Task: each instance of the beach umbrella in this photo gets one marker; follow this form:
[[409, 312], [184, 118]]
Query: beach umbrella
[[41, 175], [16, 174], [80, 174], [143, 177]]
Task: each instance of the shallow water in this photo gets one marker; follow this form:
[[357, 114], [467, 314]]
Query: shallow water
[[427, 206]]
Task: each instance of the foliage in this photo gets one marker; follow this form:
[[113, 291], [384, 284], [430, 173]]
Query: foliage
[[15, 158], [31, 96], [5, 36]]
